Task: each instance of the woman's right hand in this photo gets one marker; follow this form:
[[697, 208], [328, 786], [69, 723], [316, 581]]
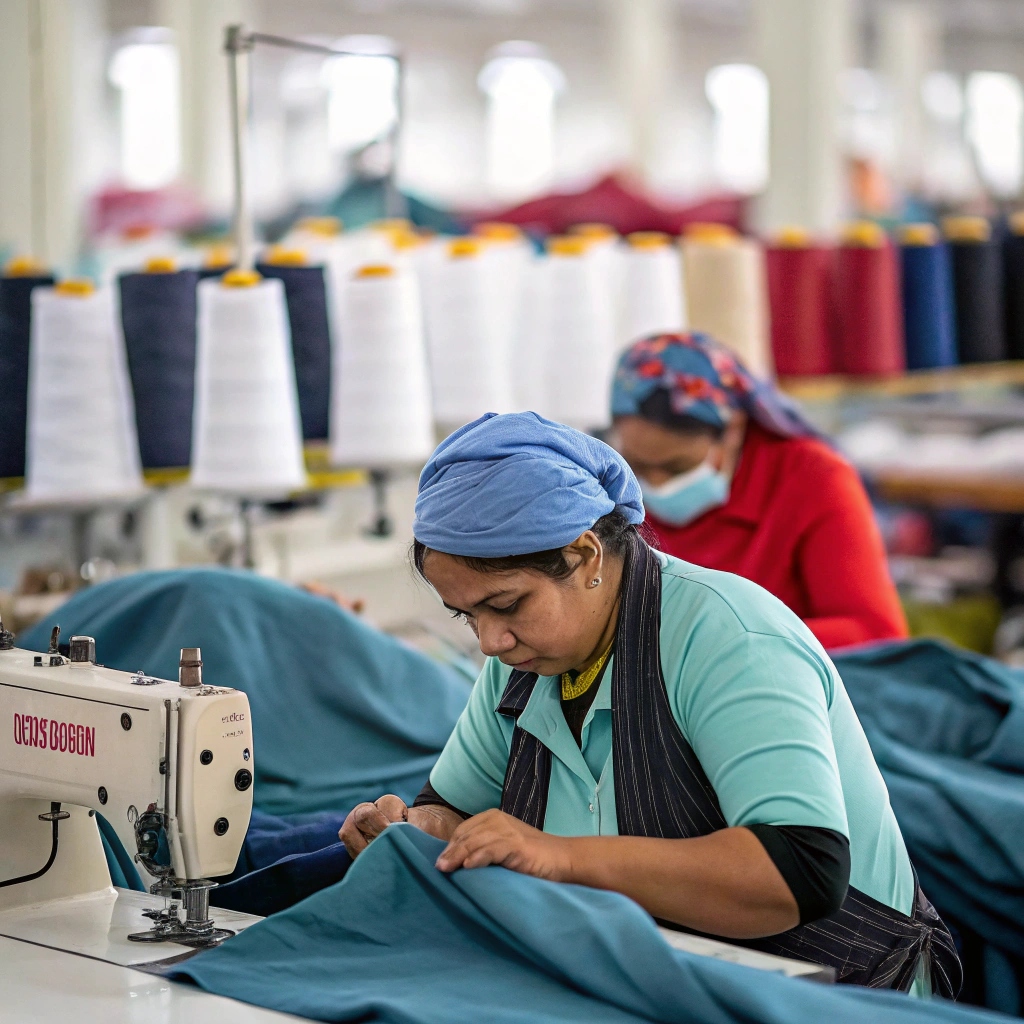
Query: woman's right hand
[[367, 821]]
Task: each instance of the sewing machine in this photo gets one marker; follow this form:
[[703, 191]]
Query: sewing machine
[[168, 765]]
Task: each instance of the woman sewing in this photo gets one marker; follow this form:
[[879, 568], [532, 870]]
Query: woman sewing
[[735, 479], [646, 726]]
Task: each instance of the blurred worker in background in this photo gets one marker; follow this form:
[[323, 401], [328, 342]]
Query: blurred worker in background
[[734, 478]]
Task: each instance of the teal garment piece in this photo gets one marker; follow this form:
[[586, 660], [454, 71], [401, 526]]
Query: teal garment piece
[[398, 942], [341, 712], [123, 872], [757, 698], [947, 729]]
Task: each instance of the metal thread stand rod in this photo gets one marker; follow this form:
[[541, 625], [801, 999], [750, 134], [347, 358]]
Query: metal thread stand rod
[[239, 43]]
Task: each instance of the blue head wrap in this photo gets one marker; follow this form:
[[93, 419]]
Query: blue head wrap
[[704, 380], [517, 484]]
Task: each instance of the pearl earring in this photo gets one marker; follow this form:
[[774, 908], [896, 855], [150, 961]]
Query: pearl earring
[[596, 581]]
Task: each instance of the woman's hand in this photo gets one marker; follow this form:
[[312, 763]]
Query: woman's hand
[[367, 821], [497, 838]]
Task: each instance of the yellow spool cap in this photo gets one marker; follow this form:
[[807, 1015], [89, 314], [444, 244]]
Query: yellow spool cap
[[241, 279], [79, 287], [461, 248], [648, 240], [375, 270], [596, 232], [864, 234], [391, 225], [326, 226], [1017, 222], [567, 245], [218, 256], [160, 265], [710, 234], [966, 229], [923, 234], [497, 231], [792, 236], [282, 256], [24, 266], [405, 240]]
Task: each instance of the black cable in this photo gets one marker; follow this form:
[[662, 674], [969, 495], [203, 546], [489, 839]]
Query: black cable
[[54, 810]]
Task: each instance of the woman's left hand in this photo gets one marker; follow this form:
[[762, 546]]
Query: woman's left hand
[[498, 838]]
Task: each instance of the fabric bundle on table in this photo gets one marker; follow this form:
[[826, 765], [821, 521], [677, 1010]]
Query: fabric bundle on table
[[397, 941], [947, 730]]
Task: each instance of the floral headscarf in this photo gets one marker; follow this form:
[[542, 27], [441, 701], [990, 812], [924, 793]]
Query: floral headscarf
[[704, 380]]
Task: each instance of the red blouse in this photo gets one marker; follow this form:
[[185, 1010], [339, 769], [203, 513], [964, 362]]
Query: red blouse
[[799, 524]]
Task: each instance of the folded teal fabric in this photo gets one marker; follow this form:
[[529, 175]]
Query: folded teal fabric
[[341, 712], [397, 941], [947, 729]]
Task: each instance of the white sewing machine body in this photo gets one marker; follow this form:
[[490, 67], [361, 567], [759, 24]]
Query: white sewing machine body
[[122, 746]]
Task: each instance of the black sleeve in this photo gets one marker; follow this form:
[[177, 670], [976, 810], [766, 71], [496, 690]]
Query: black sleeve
[[428, 795], [813, 862]]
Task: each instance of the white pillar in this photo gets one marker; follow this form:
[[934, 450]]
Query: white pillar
[[641, 36], [198, 27], [52, 123], [804, 46], [909, 47]]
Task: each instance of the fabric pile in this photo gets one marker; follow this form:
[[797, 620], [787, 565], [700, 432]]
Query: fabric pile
[[947, 730], [397, 941]]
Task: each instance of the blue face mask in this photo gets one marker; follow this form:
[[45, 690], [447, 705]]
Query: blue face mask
[[684, 498]]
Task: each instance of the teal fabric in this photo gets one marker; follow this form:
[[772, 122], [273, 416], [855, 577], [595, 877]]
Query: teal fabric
[[123, 872], [341, 713], [947, 729], [760, 703], [398, 942]]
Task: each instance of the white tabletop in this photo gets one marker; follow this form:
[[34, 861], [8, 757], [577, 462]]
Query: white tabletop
[[39, 984]]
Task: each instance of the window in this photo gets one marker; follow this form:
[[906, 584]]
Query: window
[[521, 86], [995, 108], [145, 71], [738, 93], [362, 104]]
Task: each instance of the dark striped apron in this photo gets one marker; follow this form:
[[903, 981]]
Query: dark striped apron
[[661, 791]]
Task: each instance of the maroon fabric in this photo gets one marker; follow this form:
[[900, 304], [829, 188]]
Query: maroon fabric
[[611, 201], [800, 294], [869, 311]]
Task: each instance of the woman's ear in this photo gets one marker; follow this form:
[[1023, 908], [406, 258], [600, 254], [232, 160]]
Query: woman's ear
[[587, 551]]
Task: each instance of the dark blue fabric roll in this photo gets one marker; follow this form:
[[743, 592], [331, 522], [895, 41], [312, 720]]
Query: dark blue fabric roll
[[978, 286], [158, 313], [1013, 268], [306, 294], [15, 319], [929, 317]]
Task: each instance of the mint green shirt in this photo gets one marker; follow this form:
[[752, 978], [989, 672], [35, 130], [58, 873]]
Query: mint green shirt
[[757, 698]]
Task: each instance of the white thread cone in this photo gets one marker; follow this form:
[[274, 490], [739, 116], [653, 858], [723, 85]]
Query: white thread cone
[[246, 434], [529, 354], [81, 442], [577, 329], [380, 398], [467, 338], [652, 295], [726, 285]]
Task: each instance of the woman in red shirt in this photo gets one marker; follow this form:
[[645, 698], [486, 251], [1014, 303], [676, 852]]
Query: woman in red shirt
[[734, 478]]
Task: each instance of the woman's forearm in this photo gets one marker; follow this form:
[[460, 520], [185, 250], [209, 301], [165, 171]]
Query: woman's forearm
[[722, 884]]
